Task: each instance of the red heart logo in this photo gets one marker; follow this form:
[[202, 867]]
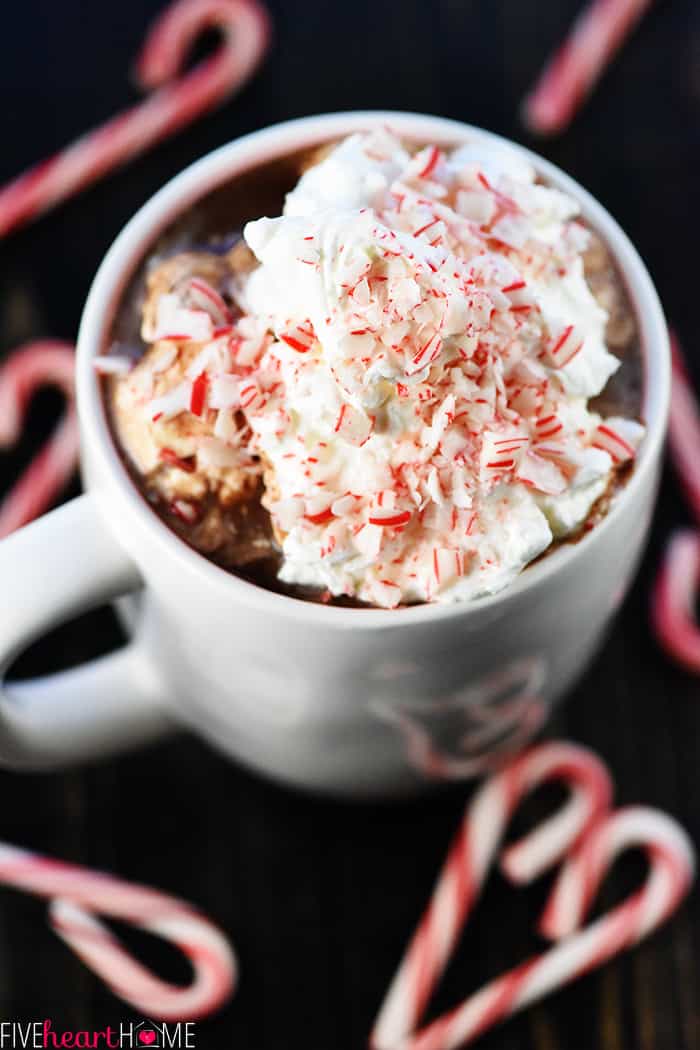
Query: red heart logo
[[147, 1037]]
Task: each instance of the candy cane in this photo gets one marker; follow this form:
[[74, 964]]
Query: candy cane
[[471, 857], [673, 598], [43, 363], [76, 893], [178, 101], [671, 868], [77, 890], [573, 71], [684, 428]]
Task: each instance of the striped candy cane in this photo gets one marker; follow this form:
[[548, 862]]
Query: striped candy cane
[[675, 591], [673, 600], [671, 869], [471, 857], [671, 872], [178, 100], [77, 894], [684, 428], [47, 362], [500, 712], [573, 71]]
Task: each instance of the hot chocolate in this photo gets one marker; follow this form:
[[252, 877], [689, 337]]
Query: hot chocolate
[[417, 380]]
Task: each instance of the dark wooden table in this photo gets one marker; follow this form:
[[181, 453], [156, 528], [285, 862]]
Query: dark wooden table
[[319, 897]]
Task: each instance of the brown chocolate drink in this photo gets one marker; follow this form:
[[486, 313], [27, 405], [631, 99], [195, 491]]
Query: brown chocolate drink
[[213, 498]]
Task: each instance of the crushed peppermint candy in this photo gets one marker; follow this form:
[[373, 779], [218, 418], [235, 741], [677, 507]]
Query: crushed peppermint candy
[[412, 370]]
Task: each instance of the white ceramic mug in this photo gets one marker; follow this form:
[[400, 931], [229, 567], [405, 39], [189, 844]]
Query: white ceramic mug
[[348, 700]]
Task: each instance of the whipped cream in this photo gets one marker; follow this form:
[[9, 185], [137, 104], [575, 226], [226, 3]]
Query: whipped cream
[[423, 406], [410, 376]]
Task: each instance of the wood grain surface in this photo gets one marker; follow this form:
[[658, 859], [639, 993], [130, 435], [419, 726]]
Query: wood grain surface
[[319, 897]]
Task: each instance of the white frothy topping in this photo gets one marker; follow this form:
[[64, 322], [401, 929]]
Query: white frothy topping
[[425, 399], [413, 368]]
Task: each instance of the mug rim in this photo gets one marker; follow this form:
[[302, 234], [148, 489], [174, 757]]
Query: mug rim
[[204, 175]]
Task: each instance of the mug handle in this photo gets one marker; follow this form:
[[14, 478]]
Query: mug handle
[[61, 565]]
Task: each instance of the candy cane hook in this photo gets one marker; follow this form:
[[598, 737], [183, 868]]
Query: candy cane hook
[[471, 857], [676, 588], [48, 362], [77, 894], [673, 600], [672, 865], [684, 428], [178, 100]]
